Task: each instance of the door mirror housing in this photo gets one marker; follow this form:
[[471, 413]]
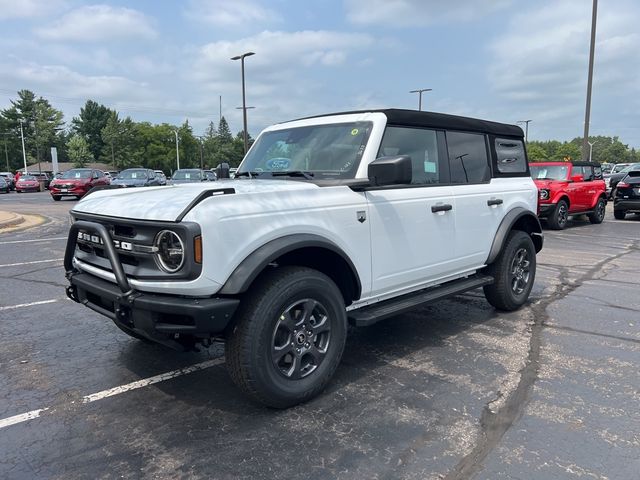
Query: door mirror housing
[[577, 178], [392, 170], [222, 170]]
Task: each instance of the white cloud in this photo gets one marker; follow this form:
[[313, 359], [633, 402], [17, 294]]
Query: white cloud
[[94, 23], [238, 13], [416, 13], [28, 8], [540, 65]]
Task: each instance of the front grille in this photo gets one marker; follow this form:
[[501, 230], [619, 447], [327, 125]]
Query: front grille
[[133, 242]]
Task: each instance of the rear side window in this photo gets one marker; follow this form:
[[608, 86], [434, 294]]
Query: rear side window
[[510, 156], [467, 157]]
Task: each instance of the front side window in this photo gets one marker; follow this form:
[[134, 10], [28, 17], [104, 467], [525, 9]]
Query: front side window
[[467, 157], [320, 151], [419, 144], [510, 157]]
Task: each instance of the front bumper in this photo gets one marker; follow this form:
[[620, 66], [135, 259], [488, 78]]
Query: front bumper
[[546, 209], [158, 317], [67, 192]]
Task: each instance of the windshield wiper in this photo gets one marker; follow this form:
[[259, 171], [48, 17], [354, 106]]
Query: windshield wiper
[[294, 173], [247, 173]]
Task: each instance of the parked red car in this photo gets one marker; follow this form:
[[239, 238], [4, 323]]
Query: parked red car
[[77, 182], [569, 188], [27, 183]]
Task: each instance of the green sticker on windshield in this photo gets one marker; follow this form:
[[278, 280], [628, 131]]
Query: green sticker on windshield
[[354, 132]]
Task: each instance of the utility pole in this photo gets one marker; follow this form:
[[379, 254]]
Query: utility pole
[[587, 113], [526, 128], [244, 102], [220, 117], [6, 154], [419, 92], [24, 154], [177, 149]]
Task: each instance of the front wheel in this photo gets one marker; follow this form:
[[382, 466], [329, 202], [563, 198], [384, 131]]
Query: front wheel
[[598, 214], [560, 215], [289, 337], [619, 214], [514, 272]]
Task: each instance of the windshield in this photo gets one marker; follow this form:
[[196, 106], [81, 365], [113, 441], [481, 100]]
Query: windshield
[[187, 175], [324, 151], [549, 172], [635, 166], [77, 174], [27, 177], [133, 174]]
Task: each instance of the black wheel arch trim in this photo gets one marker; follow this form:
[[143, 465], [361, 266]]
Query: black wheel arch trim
[[249, 269], [507, 224]]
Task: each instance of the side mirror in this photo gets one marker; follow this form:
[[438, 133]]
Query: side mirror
[[577, 178], [394, 170], [222, 170]]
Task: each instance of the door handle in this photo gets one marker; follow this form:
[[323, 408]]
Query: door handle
[[441, 207], [494, 201]]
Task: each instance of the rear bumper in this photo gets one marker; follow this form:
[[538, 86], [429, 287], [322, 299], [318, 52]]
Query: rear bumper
[[626, 204]]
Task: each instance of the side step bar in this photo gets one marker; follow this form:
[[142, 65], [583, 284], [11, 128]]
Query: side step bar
[[369, 315]]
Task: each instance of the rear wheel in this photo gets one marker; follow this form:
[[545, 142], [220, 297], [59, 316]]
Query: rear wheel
[[514, 272], [289, 337], [560, 215], [619, 214], [598, 214]]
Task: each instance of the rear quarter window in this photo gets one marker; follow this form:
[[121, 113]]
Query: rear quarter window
[[510, 156]]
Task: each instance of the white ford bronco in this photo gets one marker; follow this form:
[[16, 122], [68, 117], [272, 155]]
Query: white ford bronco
[[343, 218]]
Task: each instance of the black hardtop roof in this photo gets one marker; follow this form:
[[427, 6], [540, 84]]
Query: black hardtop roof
[[415, 118]]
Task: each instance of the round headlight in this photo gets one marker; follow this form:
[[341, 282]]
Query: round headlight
[[544, 194], [170, 254]]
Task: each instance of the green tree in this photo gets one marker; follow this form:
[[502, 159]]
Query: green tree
[[536, 153], [92, 119], [109, 135], [224, 132], [78, 150], [568, 151]]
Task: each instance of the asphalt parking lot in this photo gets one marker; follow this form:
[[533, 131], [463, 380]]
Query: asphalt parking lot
[[452, 391]]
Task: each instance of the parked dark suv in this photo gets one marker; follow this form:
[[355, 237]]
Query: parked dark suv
[[627, 199]]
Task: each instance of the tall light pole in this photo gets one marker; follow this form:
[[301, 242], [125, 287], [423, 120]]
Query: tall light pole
[[526, 128], [244, 102], [6, 153], [177, 149], [590, 150], [419, 92], [587, 113], [24, 154]]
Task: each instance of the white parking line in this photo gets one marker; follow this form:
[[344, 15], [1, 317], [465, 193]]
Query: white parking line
[[31, 263], [24, 417], [35, 240], [42, 302]]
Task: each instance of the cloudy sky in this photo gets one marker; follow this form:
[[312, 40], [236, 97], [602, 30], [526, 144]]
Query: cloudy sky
[[166, 61]]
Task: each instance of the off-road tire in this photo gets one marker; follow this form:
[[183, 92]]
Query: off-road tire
[[619, 214], [597, 216], [560, 216], [501, 293], [250, 343]]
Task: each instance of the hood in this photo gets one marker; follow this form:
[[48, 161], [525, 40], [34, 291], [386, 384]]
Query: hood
[[167, 203], [70, 181], [543, 183]]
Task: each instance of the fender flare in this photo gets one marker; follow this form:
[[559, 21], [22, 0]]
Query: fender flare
[[509, 220], [247, 271]]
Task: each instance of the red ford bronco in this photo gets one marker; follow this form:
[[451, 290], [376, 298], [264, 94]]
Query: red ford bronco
[[569, 188]]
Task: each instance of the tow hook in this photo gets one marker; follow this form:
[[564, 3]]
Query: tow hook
[[72, 293]]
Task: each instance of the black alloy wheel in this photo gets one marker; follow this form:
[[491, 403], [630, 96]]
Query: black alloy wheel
[[560, 216], [597, 216]]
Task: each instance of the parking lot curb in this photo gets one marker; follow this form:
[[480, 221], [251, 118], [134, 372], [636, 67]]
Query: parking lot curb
[[11, 221]]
